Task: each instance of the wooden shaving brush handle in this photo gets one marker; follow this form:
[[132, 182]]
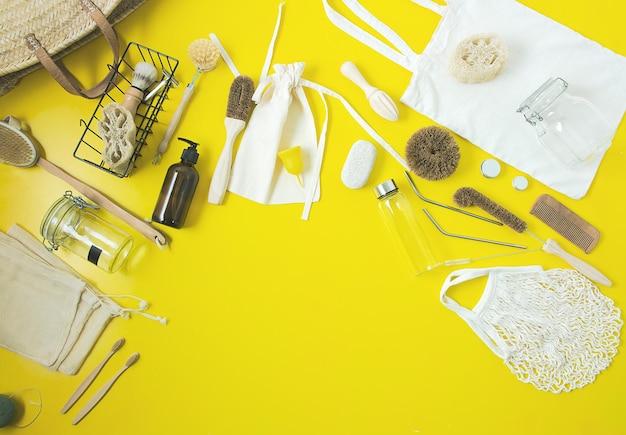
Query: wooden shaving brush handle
[[132, 99]]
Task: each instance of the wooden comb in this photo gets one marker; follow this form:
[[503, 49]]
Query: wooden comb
[[565, 222]]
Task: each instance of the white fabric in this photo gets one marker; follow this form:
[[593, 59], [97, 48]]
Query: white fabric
[[48, 313], [553, 329], [485, 113]]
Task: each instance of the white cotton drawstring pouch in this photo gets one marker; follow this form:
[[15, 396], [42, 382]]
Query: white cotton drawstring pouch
[[48, 313], [283, 119], [553, 329], [485, 113]]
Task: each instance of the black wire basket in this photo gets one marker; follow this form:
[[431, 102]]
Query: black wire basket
[[90, 145]]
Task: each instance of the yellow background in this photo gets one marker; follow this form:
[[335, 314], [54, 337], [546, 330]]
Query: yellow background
[[279, 326]]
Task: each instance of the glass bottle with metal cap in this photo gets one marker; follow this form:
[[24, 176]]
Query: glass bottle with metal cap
[[570, 127], [401, 222]]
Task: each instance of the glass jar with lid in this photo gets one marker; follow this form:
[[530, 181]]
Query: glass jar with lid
[[570, 127], [70, 223]]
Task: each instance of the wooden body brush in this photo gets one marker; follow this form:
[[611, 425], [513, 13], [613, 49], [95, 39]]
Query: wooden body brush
[[237, 111], [467, 196], [17, 149], [204, 54]]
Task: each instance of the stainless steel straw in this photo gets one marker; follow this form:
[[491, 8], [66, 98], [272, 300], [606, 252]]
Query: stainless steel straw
[[449, 207], [476, 239]]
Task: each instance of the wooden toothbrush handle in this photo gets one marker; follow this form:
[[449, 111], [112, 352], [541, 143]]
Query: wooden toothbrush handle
[[84, 385], [99, 199], [552, 247], [97, 397]]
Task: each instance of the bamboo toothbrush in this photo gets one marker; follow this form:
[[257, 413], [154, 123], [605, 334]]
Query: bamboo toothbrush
[[467, 196], [237, 111], [104, 389], [204, 54], [90, 378]]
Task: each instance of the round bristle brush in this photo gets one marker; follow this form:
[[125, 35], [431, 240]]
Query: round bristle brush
[[237, 111], [144, 75], [467, 196], [204, 54]]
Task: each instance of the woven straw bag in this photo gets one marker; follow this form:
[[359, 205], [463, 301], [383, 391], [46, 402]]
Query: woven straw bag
[[35, 33]]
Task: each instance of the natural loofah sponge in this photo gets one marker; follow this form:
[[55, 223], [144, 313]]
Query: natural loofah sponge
[[117, 129], [432, 153], [479, 58]]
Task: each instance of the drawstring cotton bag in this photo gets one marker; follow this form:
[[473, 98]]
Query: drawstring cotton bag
[[553, 329], [283, 119], [49, 313], [485, 113]]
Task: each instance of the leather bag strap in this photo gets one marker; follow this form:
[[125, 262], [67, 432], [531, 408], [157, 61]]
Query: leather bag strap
[[62, 75]]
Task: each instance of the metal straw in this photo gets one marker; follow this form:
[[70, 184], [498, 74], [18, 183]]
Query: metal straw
[[449, 207], [476, 239]]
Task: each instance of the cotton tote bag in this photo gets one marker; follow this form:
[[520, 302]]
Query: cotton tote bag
[[486, 113]]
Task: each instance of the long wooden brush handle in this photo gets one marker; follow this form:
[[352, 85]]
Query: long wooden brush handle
[[99, 199], [171, 128], [552, 247], [221, 176]]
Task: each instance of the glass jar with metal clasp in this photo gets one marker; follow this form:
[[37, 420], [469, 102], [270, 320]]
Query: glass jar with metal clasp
[[70, 223], [570, 127]]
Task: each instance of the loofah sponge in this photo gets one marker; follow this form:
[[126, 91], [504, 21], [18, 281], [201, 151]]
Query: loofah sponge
[[479, 58], [117, 129], [432, 153]]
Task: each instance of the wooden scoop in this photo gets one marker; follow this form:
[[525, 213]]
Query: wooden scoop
[[379, 100]]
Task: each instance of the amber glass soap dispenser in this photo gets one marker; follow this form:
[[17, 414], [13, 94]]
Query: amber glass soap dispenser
[[178, 189]]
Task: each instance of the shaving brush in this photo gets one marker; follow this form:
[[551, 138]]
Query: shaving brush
[[144, 75]]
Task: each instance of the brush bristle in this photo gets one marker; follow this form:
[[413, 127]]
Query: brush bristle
[[204, 54], [467, 196], [240, 98], [432, 153], [145, 74], [15, 149]]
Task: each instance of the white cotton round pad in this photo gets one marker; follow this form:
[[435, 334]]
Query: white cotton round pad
[[359, 164]]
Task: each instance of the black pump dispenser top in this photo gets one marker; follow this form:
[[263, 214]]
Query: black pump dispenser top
[[190, 154]]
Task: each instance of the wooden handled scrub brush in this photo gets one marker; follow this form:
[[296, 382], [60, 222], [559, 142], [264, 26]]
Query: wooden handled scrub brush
[[17, 149], [204, 54], [237, 111], [467, 196]]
